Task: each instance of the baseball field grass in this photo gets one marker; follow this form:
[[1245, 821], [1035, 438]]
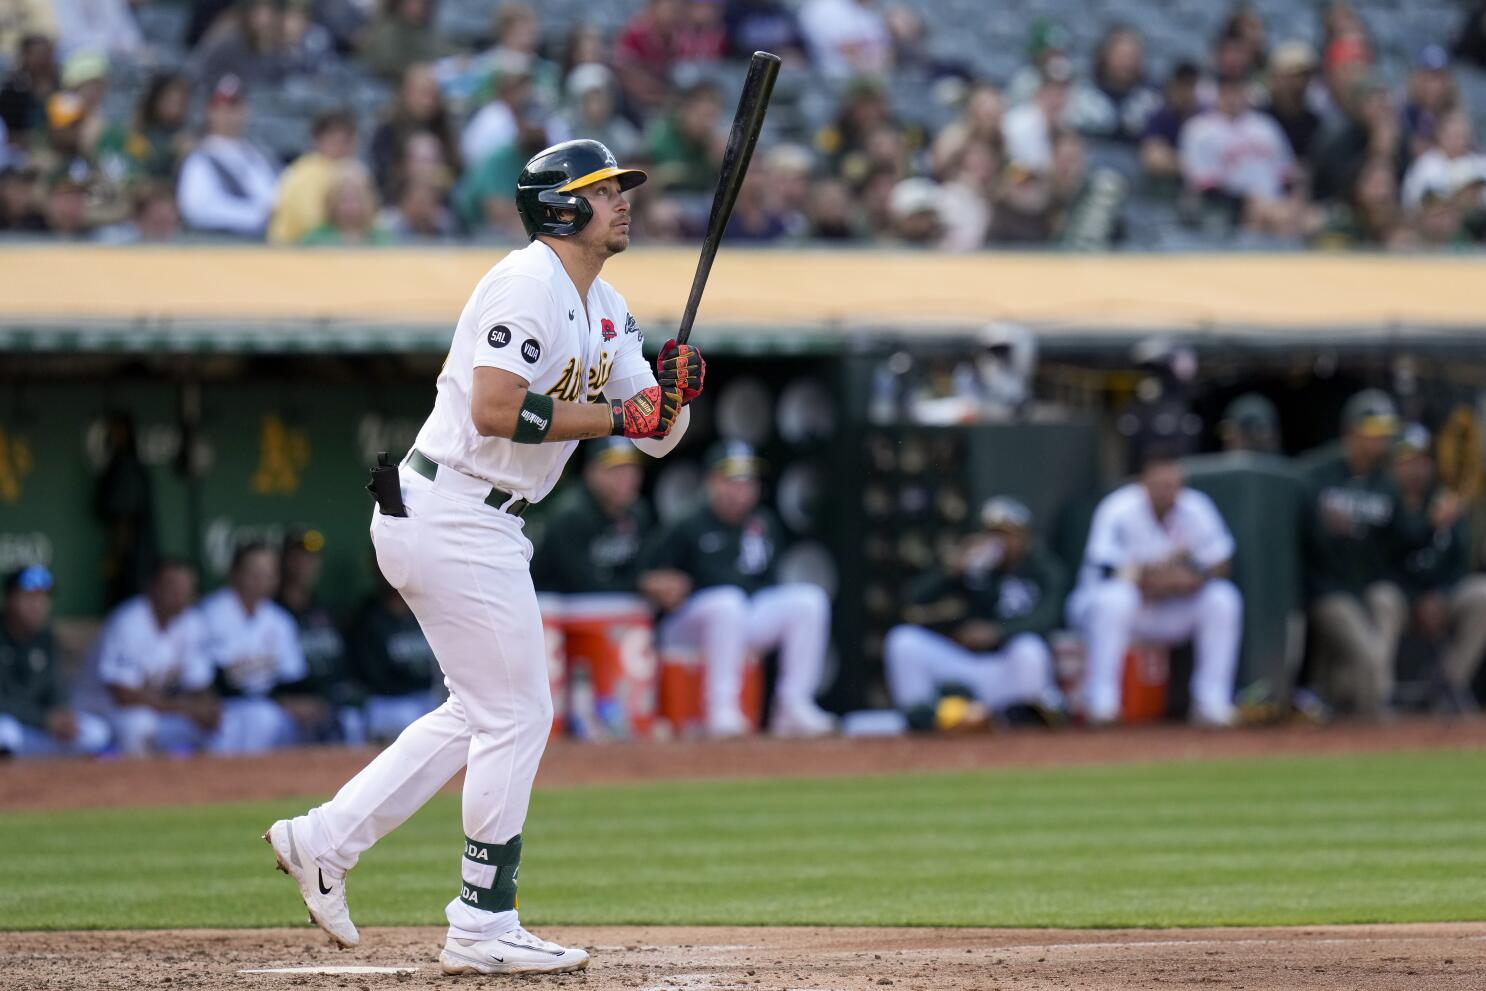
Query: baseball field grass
[[1390, 838]]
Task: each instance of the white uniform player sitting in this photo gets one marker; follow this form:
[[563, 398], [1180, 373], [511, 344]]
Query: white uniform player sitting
[[728, 547], [1155, 569], [151, 662], [253, 645]]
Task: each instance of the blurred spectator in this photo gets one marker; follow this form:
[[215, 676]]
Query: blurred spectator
[[654, 41], [255, 46], [585, 44], [494, 127], [423, 161], [1122, 102], [253, 646], [35, 718], [1089, 205], [1448, 604], [1025, 207], [350, 211], [156, 219], [1047, 39], [762, 25], [1431, 94], [515, 29], [417, 108], [1250, 423], [1028, 127], [1448, 168], [863, 112], [1351, 542], [156, 141], [979, 122], [686, 144], [1370, 128], [1440, 222], [393, 663], [327, 675], [913, 56], [847, 37], [1370, 216], [485, 199], [729, 547], [308, 47], [418, 213], [981, 623], [593, 111], [1245, 26], [20, 209], [790, 168], [150, 659], [305, 184], [227, 184], [1291, 70], [24, 19], [1159, 145], [401, 36], [915, 211], [757, 217], [1239, 159], [1156, 569], [1347, 62], [65, 210], [32, 81], [1471, 43], [103, 26], [829, 214], [1338, 19]]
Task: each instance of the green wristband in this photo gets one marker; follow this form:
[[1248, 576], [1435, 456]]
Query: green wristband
[[533, 420]]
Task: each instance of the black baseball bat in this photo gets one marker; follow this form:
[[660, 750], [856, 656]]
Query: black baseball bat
[[747, 122]]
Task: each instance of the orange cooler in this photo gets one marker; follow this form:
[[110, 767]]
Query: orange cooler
[[612, 638], [683, 686], [1143, 692]]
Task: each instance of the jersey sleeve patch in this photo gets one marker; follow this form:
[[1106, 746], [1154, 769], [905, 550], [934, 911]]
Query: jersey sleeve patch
[[499, 336], [531, 352]]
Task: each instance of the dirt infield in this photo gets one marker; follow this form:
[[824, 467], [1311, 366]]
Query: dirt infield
[[1356, 958], [36, 785]]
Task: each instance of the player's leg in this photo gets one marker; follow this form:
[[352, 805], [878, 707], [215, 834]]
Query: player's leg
[[1028, 677], [714, 620], [1389, 609], [1352, 647], [796, 618], [917, 662], [1106, 618], [1462, 657], [251, 726], [136, 728], [1218, 616], [388, 715]]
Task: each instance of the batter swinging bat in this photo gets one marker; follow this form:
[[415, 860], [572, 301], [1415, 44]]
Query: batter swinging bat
[[747, 122]]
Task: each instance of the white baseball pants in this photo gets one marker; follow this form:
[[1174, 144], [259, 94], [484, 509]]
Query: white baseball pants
[[725, 622], [463, 568], [918, 662], [1111, 613]]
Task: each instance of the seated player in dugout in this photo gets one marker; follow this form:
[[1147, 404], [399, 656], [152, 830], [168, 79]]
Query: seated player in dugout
[[394, 666], [1446, 602], [978, 626], [591, 543], [1155, 569], [1352, 542], [338, 716], [728, 548]]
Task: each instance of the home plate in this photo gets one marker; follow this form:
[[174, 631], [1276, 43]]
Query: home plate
[[332, 970]]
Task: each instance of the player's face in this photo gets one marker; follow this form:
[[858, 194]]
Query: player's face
[[616, 487], [607, 231], [732, 498], [174, 591], [29, 611], [257, 576], [1162, 481]]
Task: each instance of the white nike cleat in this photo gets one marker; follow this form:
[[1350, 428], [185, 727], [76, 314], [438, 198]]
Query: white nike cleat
[[802, 719], [323, 891], [515, 952], [727, 724]]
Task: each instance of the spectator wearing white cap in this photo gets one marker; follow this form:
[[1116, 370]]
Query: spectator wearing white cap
[[915, 211], [1449, 167], [1292, 68], [227, 183], [593, 110]]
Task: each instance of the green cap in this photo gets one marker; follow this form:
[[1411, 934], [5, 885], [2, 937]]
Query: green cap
[[1370, 413], [734, 459], [1252, 413]]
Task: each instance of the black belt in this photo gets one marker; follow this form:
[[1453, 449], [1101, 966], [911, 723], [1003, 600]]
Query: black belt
[[497, 499]]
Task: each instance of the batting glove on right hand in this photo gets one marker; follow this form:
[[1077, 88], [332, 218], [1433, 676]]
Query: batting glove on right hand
[[683, 366], [648, 413]]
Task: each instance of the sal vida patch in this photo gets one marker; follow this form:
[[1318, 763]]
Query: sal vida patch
[[499, 336], [531, 351]]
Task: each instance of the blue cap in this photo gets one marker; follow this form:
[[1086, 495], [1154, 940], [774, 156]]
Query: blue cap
[[1432, 57], [31, 578]]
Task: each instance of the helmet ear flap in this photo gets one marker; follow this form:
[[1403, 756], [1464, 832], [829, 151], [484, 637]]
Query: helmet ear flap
[[554, 201]]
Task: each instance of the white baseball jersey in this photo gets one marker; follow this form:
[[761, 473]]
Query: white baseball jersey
[[1243, 156], [255, 653], [1126, 534], [134, 651], [526, 317]]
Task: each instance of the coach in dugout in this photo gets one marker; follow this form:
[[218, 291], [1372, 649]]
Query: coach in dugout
[[980, 623], [1353, 540], [728, 547], [1156, 569]]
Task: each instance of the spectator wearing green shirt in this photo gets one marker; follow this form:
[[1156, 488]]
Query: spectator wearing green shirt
[[980, 624], [728, 547], [35, 718], [1447, 602], [686, 144], [157, 140], [350, 212]]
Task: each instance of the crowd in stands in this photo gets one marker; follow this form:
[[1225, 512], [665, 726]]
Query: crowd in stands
[[1386, 553], [1249, 139]]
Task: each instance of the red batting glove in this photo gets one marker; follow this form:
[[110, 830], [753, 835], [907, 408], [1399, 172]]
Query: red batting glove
[[648, 413], [683, 366]]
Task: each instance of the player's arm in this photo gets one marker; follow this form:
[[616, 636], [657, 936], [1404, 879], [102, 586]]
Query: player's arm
[[503, 405]]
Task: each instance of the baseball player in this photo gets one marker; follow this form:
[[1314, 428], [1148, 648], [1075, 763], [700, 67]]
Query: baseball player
[[981, 624], [728, 548], [1155, 568], [544, 354]]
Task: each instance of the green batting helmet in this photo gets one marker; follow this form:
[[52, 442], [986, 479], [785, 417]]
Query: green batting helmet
[[548, 181]]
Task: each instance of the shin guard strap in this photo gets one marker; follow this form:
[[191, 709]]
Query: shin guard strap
[[506, 859]]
